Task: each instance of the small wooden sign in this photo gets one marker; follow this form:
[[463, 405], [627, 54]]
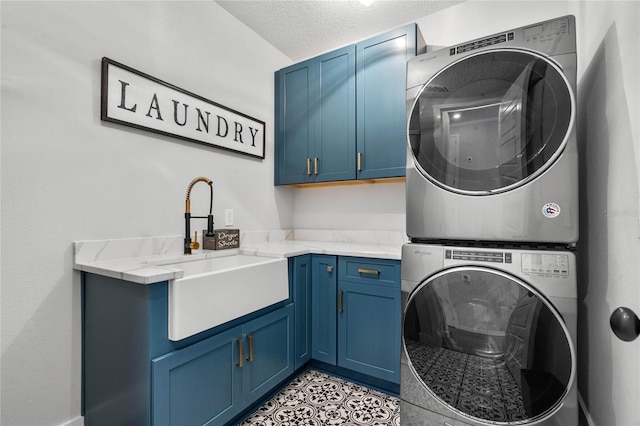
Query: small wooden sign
[[135, 99], [227, 238]]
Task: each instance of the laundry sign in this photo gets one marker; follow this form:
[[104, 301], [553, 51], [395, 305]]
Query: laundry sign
[[135, 99]]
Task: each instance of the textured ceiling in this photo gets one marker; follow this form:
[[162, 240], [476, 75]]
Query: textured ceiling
[[305, 28]]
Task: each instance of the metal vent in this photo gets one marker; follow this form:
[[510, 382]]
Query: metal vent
[[500, 38]]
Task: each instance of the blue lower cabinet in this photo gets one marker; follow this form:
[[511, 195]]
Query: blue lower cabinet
[[300, 275], [369, 318], [199, 384], [212, 381], [268, 353], [356, 320], [323, 308], [369, 330]]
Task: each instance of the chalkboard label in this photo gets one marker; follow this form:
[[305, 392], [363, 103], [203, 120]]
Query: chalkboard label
[[227, 238]]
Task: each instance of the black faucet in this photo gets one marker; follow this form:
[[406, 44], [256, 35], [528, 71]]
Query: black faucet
[[188, 244]]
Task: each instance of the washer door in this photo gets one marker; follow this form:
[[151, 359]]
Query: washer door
[[491, 121], [488, 345]]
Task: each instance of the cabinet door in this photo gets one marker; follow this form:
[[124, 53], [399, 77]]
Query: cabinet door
[[268, 353], [369, 330], [323, 311], [335, 116], [301, 277], [200, 384], [294, 130], [381, 66]]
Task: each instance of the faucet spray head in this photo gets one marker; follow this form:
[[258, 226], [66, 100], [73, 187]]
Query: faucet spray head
[[191, 184]]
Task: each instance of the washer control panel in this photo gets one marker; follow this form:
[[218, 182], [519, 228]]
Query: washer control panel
[[545, 264], [478, 256]]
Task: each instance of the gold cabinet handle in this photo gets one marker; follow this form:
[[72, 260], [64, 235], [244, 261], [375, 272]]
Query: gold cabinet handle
[[329, 268], [240, 356], [250, 338], [315, 165], [340, 293], [308, 166], [359, 161], [369, 271]]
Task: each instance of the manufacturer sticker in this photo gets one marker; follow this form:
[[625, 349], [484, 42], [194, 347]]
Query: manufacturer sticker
[[551, 210]]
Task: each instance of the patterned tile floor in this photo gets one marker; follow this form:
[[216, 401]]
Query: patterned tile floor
[[314, 398]]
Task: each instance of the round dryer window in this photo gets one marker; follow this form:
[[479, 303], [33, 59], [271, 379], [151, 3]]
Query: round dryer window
[[488, 346], [491, 121]]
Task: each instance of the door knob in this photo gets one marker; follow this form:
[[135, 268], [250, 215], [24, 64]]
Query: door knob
[[625, 324]]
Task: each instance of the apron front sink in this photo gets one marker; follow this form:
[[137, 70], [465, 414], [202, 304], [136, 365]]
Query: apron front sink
[[214, 291]]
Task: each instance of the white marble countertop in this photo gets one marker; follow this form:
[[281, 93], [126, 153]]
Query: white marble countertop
[[145, 260]]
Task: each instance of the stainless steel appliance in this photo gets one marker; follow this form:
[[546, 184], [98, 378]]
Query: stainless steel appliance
[[492, 142], [488, 336]]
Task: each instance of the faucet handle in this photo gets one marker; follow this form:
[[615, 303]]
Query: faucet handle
[[195, 245]]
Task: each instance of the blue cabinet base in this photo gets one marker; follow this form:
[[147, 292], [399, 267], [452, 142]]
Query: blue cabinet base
[[128, 360]]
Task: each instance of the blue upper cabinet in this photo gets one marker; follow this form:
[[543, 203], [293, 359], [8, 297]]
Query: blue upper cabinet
[[341, 116], [294, 122], [381, 113], [335, 120], [316, 119]]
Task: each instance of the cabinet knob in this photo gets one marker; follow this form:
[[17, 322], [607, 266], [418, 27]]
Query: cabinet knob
[[329, 268]]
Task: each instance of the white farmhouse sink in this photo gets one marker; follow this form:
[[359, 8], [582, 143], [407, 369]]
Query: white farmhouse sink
[[216, 290]]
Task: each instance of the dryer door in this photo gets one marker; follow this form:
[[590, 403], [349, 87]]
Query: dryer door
[[491, 121], [488, 346]]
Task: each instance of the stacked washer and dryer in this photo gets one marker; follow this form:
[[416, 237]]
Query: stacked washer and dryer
[[489, 295]]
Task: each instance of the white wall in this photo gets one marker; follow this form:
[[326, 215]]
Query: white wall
[[609, 248], [68, 176], [362, 207]]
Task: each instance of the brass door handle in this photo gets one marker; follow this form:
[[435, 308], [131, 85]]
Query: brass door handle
[[315, 165], [369, 271], [359, 161], [250, 338], [240, 356], [308, 166], [340, 294]]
